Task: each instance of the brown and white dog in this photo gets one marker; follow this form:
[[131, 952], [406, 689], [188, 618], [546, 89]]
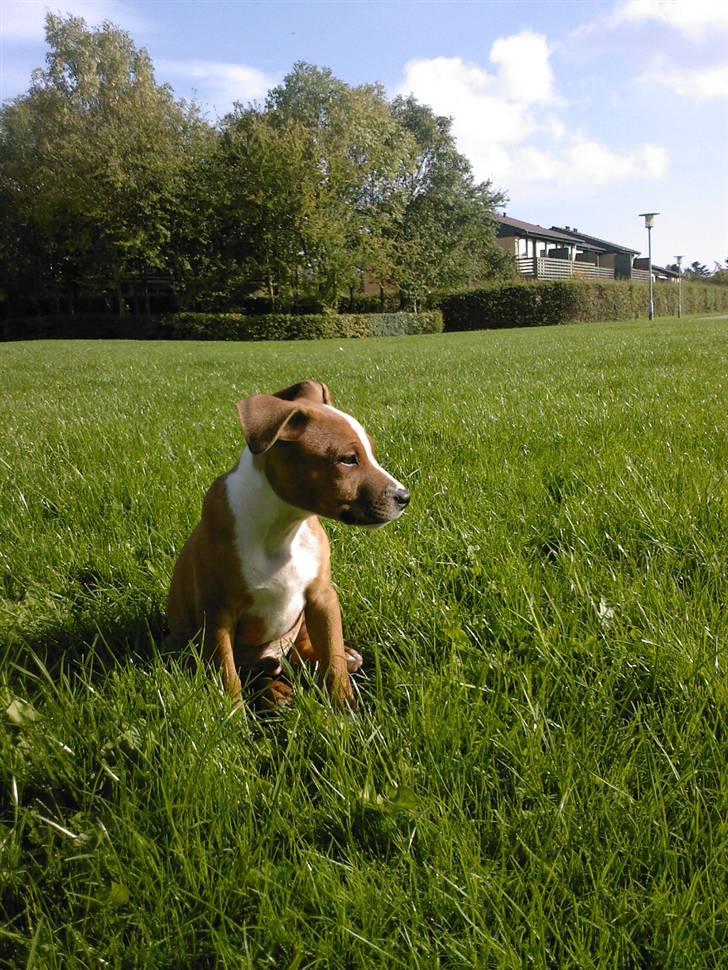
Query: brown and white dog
[[255, 575]]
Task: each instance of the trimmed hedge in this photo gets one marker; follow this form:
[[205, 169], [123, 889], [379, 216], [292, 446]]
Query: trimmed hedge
[[285, 326], [88, 326], [537, 304]]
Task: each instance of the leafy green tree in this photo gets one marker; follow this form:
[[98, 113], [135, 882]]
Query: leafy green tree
[[107, 181], [446, 236], [327, 183], [39, 235], [720, 273], [312, 180], [93, 162], [265, 198], [697, 269]]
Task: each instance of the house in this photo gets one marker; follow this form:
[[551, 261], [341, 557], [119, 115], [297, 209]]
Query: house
[[609, 255], [562, 252], [524, 240], [660, 273]]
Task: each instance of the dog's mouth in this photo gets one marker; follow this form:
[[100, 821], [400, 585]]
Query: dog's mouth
[[377, 509], [369, 518]]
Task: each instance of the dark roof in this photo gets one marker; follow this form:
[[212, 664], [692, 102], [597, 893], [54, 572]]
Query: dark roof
[[666, 270], [529, 229], [594, 242]]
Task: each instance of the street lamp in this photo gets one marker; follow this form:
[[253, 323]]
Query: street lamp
[[679, 286], [649, 218]]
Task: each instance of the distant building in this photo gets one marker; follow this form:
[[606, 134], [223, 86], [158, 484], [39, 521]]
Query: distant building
[[562, 252]]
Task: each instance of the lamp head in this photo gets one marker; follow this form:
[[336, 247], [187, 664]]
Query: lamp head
[[649, 218]]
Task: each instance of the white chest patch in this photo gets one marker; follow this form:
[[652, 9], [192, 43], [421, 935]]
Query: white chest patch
[[278, 584], [278, 550]]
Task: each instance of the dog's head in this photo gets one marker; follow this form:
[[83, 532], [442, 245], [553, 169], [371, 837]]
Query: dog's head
[[318, 458]]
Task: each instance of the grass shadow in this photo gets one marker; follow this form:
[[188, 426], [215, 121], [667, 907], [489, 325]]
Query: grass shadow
[[65, 647]]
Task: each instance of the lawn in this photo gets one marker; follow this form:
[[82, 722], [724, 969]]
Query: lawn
[[538, 773]]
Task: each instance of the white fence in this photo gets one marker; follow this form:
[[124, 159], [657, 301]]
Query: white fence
[[592, 272], [547, 268]]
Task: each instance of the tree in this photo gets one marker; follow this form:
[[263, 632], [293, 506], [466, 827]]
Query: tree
[[93, 162], [264, 193], [446, 236], [332, 182], [312, 179], [697, 269], [107, 181], [720, 273]]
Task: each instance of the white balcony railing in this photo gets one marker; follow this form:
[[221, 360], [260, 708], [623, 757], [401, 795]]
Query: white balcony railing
[[592, 272], [548, 268]]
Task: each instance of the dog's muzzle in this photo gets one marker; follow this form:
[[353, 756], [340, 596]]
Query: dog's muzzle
[[379, 511]]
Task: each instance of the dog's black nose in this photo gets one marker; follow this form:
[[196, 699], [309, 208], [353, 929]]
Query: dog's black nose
[[402, 497]]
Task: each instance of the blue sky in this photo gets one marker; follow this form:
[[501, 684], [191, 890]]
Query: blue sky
[[586, 114]]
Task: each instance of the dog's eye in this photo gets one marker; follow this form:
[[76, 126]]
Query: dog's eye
[[348, 460]]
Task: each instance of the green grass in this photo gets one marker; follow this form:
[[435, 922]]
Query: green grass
[[538, 773]]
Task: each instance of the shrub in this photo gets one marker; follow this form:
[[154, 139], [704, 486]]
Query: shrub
[[507, 305], [285, 326], [535, 304], [88, 326], [390, 302]]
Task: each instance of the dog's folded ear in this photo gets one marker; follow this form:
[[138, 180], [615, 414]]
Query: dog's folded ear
[[266, 419], [315, 391]]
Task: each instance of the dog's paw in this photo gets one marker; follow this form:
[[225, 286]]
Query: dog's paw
[[274, 692], [354, 659], [341, 691]]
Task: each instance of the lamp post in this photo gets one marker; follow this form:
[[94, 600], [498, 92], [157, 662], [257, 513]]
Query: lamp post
[[679, 286], [649, 218]]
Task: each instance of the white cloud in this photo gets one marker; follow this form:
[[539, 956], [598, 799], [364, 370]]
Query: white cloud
[[694, 20], [702, 82], [525, 73], [483, 114], [584, 163], [219, 82], [687, 16], [23, 21], [491, 111], [508, 122], [700, 30]]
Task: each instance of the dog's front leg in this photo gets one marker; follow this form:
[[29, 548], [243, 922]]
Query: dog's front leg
[[218, 646], [323, 621]]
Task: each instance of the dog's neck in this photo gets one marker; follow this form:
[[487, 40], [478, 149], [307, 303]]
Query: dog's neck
[[262, 518]]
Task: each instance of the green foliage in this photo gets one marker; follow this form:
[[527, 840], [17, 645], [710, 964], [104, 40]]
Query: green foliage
[[697, 270], [535, 304], [95, 162], [91, 326], [446, 236], [108, 180], [283, 326], [329, 182], [537, 776]]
